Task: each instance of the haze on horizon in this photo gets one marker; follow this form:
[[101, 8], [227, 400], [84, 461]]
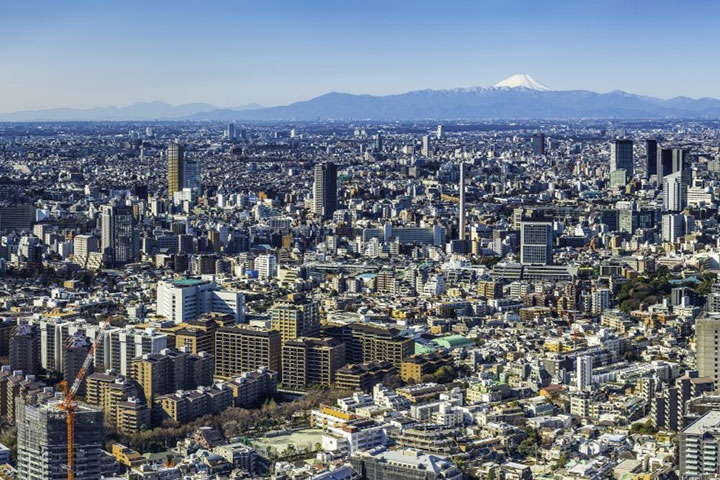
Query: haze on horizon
[[85, 53]]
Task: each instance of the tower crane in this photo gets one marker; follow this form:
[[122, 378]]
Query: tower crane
[[68, 404]]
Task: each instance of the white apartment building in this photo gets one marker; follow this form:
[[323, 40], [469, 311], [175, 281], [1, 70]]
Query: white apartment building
[[184, 300]]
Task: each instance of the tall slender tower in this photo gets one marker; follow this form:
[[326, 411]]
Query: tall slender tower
[[461, 222], [325, 189], [176, 160], [651, 152], [621, 156], [664, 164], [120, 242]]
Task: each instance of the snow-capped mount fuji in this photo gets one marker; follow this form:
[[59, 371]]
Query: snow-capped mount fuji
[[517, 97], [522, 80]]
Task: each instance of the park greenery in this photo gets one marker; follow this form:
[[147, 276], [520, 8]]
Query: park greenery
[[233, 422]]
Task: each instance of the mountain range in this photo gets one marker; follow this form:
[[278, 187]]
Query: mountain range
[[517, 97], [146, 111]]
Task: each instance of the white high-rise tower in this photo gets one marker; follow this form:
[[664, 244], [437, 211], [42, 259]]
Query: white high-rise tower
[[583, 377]]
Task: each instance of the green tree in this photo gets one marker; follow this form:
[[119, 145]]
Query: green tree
[[646, 428], [706, 284], [528, 447]]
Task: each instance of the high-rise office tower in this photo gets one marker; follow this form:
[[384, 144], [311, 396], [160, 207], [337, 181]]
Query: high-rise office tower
[[651, 153], [536, 243], [672, 160], [120, 242], [325, 189], [25, 349], [674, 192], [673, 227], [231, 132], [621, 156], [378, 142], [42, 441], [176, 162], [426, 145], [681, 163], [191, 174], [538, 143], [664, 164], [439, 132], [461, 221]]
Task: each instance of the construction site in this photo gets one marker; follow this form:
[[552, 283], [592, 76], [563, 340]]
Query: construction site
[[42, 441]]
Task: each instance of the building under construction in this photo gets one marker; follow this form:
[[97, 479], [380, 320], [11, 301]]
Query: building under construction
[[42, 441]]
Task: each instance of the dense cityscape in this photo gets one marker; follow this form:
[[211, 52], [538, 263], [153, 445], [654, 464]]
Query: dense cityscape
[[360, 300]]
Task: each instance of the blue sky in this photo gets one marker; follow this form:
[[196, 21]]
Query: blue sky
[[83, 53]]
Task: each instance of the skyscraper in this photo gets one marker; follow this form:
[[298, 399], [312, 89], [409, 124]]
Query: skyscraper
[[671, 160], [325, 189], [120, 242], [621, 156], [461, 222], [426, 145], [673, 227], [42, 441], [674, 192], [681, 163], [664, 164], [538, 143], [176, 162], [378, 142], [191, 174], [536, 243], [651, 153]]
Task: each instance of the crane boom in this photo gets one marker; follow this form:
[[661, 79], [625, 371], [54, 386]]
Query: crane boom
[[68, 403]]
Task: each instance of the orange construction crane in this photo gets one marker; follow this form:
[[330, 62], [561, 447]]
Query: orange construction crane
[[69, 405]]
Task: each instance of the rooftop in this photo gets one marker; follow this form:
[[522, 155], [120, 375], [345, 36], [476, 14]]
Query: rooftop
[[709, 421], [188, 282]]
